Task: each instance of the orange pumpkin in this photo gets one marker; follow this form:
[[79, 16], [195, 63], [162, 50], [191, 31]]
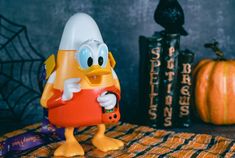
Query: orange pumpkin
[[215, 89]]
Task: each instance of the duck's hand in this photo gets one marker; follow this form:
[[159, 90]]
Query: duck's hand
[[107, 100], [70, 86]]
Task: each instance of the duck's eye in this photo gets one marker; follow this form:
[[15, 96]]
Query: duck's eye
[[89, 61], [103, 55], [84, 57], [100, 60]]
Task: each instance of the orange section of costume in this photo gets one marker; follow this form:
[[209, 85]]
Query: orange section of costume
[[82, 110]]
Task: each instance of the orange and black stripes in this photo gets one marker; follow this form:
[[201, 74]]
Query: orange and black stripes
[[141, 142]]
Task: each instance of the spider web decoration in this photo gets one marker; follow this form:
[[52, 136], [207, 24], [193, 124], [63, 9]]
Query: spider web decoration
[[20, 66]]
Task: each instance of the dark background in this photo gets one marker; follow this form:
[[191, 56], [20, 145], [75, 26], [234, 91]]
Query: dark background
[[121, 22]]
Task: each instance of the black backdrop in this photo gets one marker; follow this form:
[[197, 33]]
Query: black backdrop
[[121, 22]]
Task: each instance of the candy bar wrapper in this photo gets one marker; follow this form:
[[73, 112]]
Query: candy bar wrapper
[[150, 54], [168, 81], [184, 86], [21, 144]]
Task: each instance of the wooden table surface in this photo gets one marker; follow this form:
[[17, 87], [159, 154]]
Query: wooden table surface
[[196, 127], [199, 127], [202, 128]]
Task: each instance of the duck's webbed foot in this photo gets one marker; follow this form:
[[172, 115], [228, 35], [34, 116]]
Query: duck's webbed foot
[[70, 147], [105, 143]]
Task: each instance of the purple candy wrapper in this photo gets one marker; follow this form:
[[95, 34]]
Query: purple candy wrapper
[[49, 129], [24, 141], [3, 148], [46, 134]]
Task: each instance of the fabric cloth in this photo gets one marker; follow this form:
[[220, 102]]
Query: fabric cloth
[[142, 141]]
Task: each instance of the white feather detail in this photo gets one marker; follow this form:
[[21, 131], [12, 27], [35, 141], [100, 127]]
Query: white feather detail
[[114, 74], [52, 78]]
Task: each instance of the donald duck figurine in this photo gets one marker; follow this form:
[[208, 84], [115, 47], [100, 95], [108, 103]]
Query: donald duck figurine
[[82, 89]]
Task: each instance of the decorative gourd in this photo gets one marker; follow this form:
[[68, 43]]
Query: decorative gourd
[[215, 88]]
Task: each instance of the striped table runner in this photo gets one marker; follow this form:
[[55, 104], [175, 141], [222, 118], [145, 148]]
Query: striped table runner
[[141, 142]]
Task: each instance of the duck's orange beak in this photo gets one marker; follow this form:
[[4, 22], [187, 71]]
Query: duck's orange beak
[[95, 73], [96, 70]]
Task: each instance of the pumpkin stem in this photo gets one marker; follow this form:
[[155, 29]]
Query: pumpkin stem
[[215, 48]]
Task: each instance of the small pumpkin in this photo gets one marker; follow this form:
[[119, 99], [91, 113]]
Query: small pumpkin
[[214, 91]]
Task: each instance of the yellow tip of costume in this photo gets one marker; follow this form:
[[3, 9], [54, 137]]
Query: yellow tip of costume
[[112, 60], [50, 65]]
